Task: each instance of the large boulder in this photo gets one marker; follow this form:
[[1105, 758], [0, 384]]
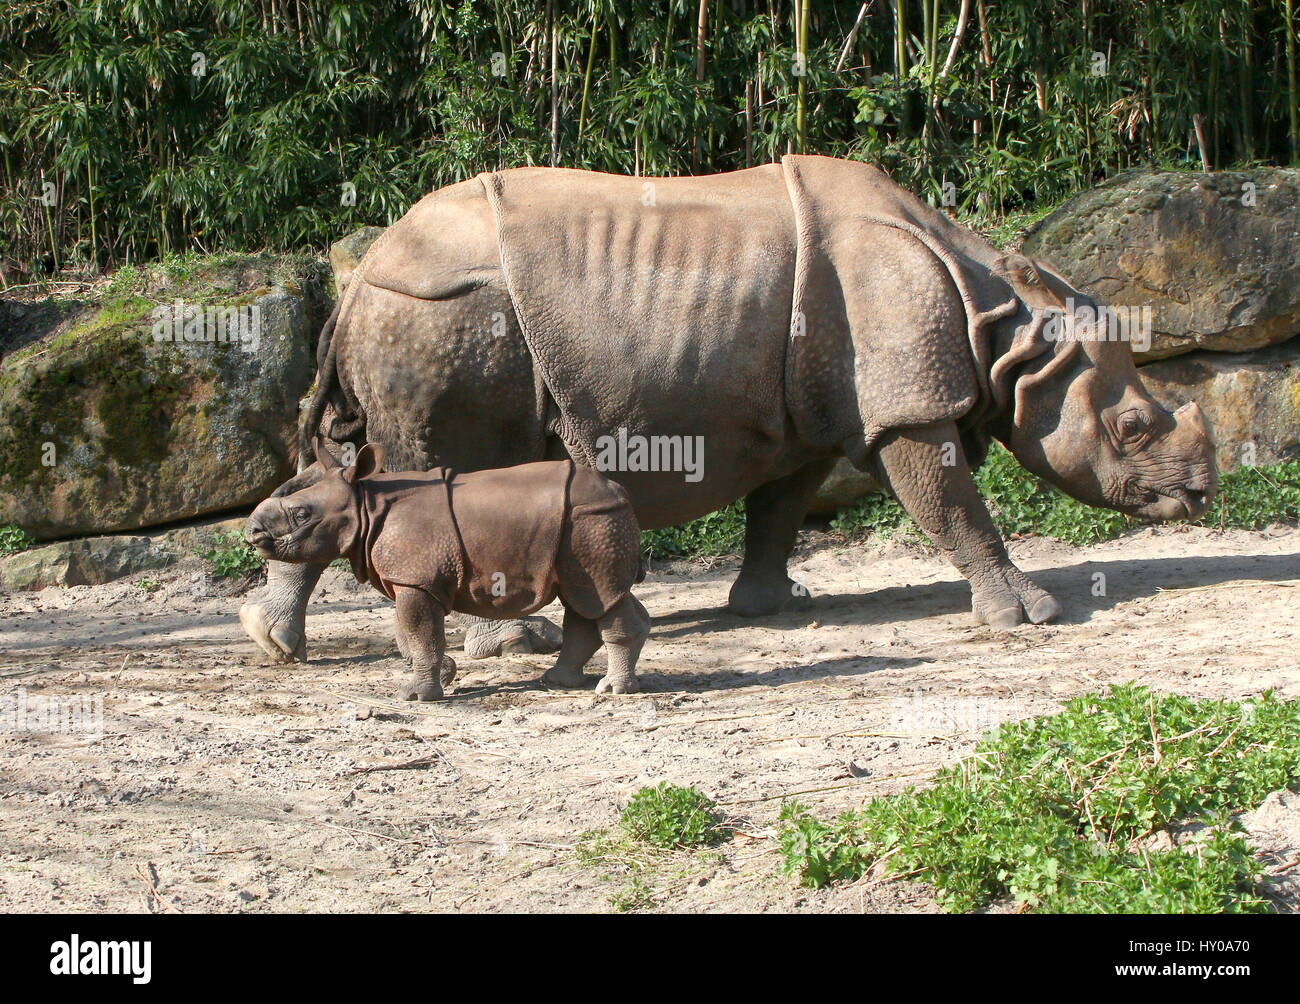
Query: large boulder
[[1214, 255], [346, 254], [89, 561], [1251, 399], [173, 395], [844, 485]]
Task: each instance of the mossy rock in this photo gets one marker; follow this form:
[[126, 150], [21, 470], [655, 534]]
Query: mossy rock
[[1214, 255], [103, 426]]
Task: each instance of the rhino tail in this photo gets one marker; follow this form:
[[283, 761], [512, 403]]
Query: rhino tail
[[348, 422], [326, 379]]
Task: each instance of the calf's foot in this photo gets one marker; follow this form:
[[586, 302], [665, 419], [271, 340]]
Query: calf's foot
[[581, 639]]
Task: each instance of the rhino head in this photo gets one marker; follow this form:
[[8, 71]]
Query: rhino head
[[1073, 409], [319, 522]]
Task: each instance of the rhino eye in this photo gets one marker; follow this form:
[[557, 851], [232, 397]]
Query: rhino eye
[[1131, 425], [299, 517]]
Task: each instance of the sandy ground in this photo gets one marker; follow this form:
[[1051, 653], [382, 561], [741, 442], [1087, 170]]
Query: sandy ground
[[221, 783]]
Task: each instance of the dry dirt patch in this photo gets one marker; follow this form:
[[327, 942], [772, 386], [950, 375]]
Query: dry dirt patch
[[225, 784]]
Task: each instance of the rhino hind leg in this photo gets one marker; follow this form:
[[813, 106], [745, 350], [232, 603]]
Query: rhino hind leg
[[581, 640], [275, 616], [624, 630], [773, 514]]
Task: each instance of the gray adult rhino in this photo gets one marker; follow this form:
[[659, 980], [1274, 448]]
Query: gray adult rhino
[[787, 315]]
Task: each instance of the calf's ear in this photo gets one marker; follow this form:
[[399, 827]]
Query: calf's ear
[[370, 460], [323, 454]]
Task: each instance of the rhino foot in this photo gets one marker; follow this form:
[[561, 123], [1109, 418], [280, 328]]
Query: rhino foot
[[1007, 598], [560, 677], [447, 671], [416, 690], [282, 641], [486, 639], [618, 685], [752, 596], [275, 616]]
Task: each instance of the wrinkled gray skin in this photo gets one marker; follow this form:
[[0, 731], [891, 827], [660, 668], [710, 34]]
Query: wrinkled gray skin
[[450, 381]]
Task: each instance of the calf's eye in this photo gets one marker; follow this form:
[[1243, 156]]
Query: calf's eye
[[299, 517]]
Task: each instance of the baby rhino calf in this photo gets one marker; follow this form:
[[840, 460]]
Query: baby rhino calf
[[499, 543]]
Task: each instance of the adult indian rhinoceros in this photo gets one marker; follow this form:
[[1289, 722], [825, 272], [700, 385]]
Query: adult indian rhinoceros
[[785, 315]]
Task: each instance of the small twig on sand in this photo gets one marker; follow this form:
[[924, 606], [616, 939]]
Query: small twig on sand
[[370, 833], [424, 761], [147, 876], [1227, 585], [831, 787]]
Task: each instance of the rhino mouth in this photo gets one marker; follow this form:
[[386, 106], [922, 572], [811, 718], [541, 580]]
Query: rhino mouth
[[1170, 504]]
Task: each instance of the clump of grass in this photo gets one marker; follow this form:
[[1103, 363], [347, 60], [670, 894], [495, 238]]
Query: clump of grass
[[14, 539], [671, 817], [230, 557], [663, 841], [1054, 812], [721, 532]]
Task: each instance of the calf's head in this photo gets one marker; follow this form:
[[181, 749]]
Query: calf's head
[[1073, 409], [318, 522]]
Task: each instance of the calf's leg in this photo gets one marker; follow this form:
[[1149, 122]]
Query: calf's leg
[[624, 630], [420, 623], [581, 639]]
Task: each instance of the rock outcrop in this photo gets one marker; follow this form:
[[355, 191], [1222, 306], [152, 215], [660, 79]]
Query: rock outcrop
[[1214, 255], [174, 397], [1252, 400]]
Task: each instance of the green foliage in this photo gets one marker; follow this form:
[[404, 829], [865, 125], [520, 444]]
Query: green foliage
[[14, 539], [148, 586], [669, 817], [1249, 498], [230, 557], [195, 124], [721, 532], [1055, 812], [1254, 497]]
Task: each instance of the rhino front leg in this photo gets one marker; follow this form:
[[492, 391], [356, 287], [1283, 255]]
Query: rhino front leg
[[276, 615], [927, 470], [420, 624], [773, 514]]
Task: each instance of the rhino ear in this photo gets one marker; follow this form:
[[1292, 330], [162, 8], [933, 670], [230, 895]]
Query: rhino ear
[[1027, 281], [370, 460], [324, 456]]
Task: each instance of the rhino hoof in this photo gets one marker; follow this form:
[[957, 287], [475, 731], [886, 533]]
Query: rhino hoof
[[281, 642], [556, 677], [1004, 619], [420, 692], [625, 686], [758, 598], [1044, 610]]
